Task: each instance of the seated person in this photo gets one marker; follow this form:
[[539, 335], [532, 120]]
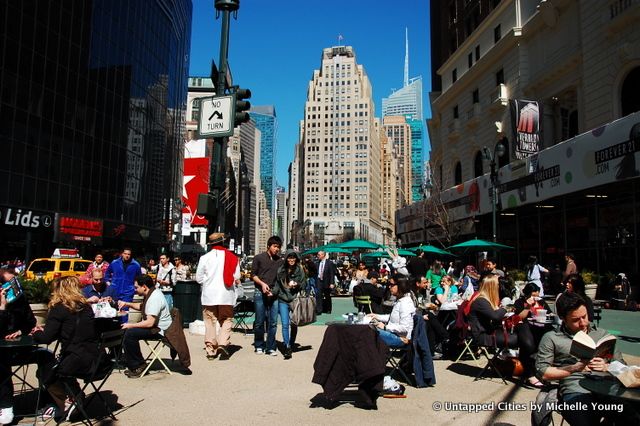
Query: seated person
[[16, 319], [554, 362], [530, 302], [97, 290], [447, 291], [471, 277], [156, 318], [395, 329], [362, 273], [70, 321], [485, 318], [374, 291], [575, 284]]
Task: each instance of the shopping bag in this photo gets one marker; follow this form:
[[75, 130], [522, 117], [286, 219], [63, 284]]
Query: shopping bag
[[303, 309]]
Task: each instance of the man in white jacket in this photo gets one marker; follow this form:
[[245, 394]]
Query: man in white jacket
[[217, 272]]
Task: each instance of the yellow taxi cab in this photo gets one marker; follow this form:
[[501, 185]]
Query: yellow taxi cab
[[63, 263]]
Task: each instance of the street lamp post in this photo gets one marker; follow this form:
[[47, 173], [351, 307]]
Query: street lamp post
[[498, 152]]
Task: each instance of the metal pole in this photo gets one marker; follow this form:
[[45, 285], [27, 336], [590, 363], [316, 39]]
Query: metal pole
[[494, 195]]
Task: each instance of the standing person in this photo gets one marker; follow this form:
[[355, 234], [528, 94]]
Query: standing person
[[156, 319], [152, 267], [311, 270], [571, 268], [166, 279], [290, 280], [327, 272], [182, 270], [217, 272], [70, 321], [121, 273], [263, 272], [534, 273], [98, 263]]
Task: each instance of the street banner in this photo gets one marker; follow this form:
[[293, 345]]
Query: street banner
[[195, 181], [526, 123]]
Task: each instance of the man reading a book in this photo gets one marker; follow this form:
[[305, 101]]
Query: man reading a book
[[555, 361]]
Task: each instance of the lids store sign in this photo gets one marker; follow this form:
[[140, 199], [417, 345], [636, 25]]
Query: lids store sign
[[10, 216]]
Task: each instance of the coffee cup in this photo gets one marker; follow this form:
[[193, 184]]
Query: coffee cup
[[541, 314]]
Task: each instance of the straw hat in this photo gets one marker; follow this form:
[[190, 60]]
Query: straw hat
[[216, 237]]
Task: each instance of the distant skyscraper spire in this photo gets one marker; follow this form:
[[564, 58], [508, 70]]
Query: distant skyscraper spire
[[406, 57]]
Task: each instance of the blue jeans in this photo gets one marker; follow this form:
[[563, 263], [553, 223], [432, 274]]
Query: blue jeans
[[390, 339], [266, 311], [131, 345], [169, 298], [289, 340]]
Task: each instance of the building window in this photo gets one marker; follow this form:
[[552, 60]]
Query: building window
[[475, 96], [455, 112], [497, 34], [454, 75], [477, 165], [477, 52], [500, 76], [457, 175], [470, 60]]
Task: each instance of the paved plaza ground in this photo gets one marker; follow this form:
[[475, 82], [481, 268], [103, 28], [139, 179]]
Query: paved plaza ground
[[260, 389]]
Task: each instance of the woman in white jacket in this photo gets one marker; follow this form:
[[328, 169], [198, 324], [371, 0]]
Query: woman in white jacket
[[395, 329]]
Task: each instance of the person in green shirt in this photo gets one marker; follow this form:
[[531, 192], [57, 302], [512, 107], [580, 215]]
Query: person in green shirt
[[435, 274]]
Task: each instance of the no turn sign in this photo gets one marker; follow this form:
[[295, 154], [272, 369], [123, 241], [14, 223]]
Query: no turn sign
[[216, 116]]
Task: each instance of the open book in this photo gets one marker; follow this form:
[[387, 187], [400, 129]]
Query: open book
[[583, 346]]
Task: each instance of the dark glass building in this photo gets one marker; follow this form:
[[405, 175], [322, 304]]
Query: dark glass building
[[92, 107]]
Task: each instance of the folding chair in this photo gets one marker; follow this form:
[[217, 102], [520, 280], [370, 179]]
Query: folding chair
[[110, 348], [397, 357], [468, 342], [363, 302], [155, 351], [491, 362], [241, 312]]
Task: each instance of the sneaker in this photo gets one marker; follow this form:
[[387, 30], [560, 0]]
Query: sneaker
[[287, 353], [6, 415], [396, 391], [259, 351], [436, 355], [136, 372], [70, 407], [272, 353]]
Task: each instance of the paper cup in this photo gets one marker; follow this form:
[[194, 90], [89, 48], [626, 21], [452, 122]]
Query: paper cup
[[541, 314]]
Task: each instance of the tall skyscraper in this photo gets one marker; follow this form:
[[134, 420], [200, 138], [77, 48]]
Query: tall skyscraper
[[398, 132], [408, 102], [267, 122], [341, 163]]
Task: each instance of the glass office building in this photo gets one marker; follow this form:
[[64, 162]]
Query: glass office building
[[267, 123], [92, 108], [417, 159]]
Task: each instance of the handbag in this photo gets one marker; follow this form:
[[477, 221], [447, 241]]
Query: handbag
[[303, 309]]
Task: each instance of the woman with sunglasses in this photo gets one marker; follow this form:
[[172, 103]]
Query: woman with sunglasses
[[395, 329]]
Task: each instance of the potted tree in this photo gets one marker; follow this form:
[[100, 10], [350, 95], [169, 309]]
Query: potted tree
[[38, 294]]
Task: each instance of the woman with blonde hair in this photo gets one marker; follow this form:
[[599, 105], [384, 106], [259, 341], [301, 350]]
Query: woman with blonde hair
[[71, 322], [485, 319]]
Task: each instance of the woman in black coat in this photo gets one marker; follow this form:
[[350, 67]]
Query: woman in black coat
[[485, 318], [71, 322]]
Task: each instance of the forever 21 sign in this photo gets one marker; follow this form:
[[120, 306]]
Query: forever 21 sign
[[11, 216]]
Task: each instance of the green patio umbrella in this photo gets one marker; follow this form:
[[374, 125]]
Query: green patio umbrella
[[329, 248], [432, 249], [379, 254], [359, 245], [479, 245]]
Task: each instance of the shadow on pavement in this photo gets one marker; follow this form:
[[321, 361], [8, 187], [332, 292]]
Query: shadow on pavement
[[350, 396]]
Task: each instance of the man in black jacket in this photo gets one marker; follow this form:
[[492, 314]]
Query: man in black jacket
[[327, 273], [375, 293], [418, 266]]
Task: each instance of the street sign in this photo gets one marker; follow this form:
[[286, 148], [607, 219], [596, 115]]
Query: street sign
[[216, 116]]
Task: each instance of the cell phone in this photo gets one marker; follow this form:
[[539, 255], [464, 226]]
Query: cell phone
[[13, 289]]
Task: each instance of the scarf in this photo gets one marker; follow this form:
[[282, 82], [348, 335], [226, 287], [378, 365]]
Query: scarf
[[230, 265]]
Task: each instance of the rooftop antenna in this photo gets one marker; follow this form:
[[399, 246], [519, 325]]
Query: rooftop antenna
[[340, 38], [406, 57]]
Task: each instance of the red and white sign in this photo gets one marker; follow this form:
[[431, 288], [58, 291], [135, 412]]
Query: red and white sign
[[195, 180]]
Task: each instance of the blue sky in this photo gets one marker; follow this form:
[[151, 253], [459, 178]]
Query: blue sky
[[275, 46]]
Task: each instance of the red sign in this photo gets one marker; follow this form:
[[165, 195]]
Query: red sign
[[79, 227], [196, 182]]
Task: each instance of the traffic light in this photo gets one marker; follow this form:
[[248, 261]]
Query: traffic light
[[242, 106]]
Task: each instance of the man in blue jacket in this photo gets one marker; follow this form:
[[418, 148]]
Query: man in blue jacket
[[121, 274]]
